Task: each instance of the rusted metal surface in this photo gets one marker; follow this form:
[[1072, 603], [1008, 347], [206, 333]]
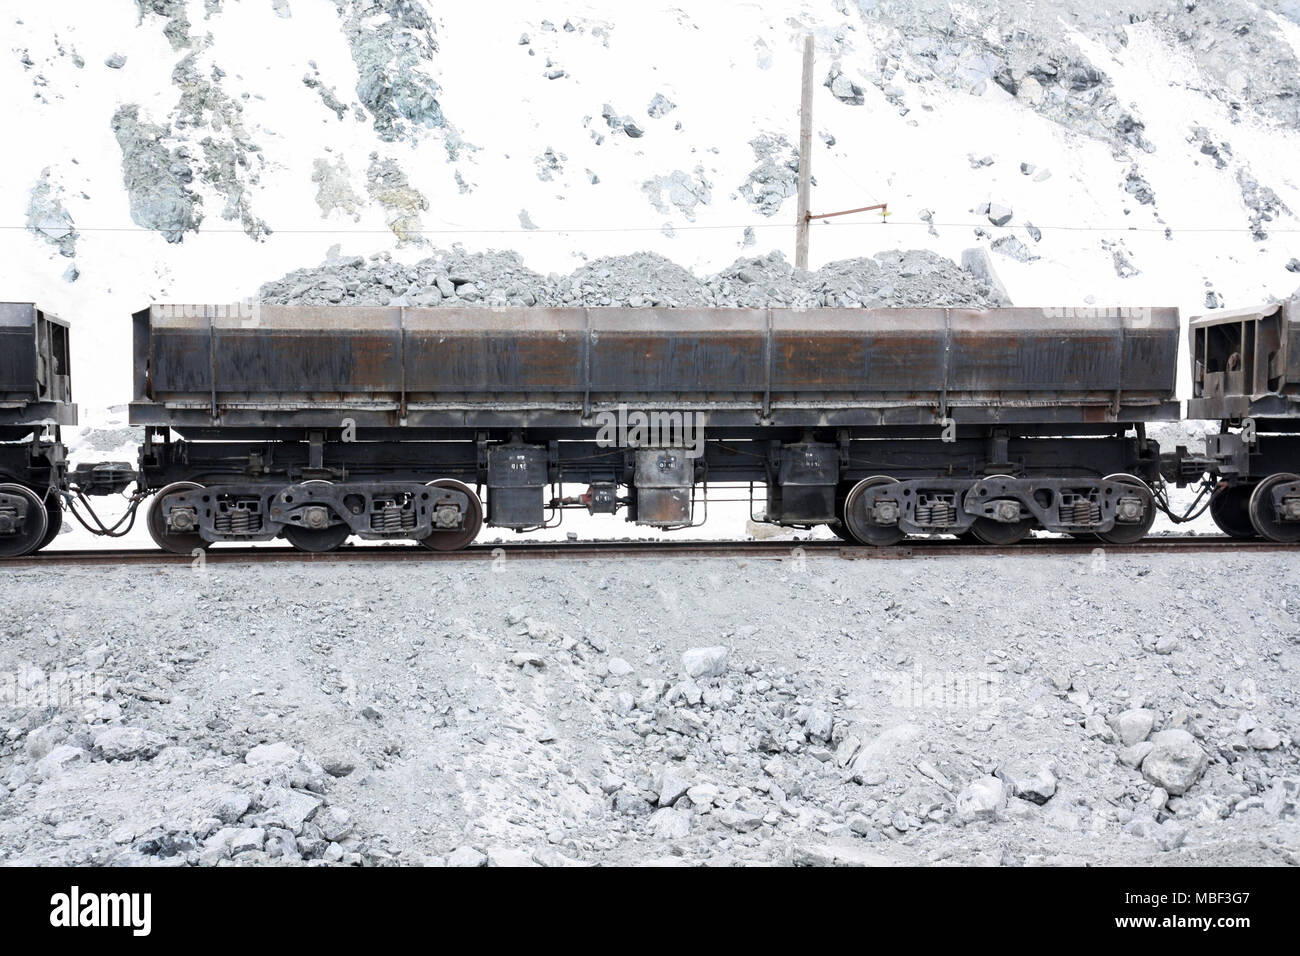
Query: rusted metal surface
[[35, 382], [664, 480], [604, 550], [469, 368], [1246, 363]]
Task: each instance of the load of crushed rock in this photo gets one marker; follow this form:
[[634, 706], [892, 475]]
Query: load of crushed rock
[[499, 278]]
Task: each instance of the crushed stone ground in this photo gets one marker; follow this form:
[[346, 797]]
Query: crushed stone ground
[[868, 712]]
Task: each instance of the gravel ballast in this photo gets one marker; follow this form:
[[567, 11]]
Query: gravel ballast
[[1125, 709]]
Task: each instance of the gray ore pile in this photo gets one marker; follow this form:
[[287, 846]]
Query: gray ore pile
[[499, 278]]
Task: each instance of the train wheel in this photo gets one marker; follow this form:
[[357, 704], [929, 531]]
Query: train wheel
[[1230, 509], [841, 532], [1133, 532], [318, 540], [1262, 515], [53, 518], [858, 522], [456, 539], [177, 542], [988, 531], [15, 539], [1001, 533]]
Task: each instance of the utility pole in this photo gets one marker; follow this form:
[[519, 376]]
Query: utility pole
[[805, 158]]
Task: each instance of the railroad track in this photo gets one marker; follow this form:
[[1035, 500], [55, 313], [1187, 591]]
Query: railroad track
[[596, 550]]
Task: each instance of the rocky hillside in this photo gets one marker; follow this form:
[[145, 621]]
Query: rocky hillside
[[1119, 152]]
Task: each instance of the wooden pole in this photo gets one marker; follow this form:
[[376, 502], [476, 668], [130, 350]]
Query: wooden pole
[[805, 158]]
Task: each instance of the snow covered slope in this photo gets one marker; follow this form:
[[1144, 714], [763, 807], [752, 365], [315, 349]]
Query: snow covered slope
[[1137, 152]]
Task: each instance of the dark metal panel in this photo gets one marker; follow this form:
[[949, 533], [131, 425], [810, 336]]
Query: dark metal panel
[[140, 338], [675, 351], [1289, 362], [1026, 349], [17, 351], [288, 350], [532, 367], [1150, 361], [180, 362], [858, 350], [339, 360], [1246, 363], [477, 350], [35, 380]]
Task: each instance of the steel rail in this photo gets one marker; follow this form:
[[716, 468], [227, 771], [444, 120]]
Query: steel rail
[[602, 550]]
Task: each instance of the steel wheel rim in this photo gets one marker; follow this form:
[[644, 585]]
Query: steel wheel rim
[[183, 543], [32, 537], [863, 531], [1261, 508], [838, 529], [455, 540], [1000, 533], [1230, 511], [53, 519], [317, 539], [1130, 533], [988, 531]]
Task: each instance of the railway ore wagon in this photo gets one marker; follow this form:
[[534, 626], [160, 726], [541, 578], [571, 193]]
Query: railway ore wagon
[[1246, 376], [35, 402], [321, 423]]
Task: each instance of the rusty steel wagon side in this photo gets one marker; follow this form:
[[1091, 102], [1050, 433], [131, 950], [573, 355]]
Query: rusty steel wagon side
[[35, 403], [1246, 376], [323, 423]]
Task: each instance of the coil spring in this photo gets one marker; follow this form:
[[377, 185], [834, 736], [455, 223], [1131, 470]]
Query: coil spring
[[235, 521], [393, 519], [1085, 512], [935, 513], [242, 522]]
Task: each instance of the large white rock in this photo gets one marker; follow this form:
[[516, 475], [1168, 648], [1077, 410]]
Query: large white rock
[[277, 753], [983, 799], [228, 807], [705, 661], [44, 739], [509, 857], [819, 725], [1133, 726], [671, 787], [1032, 780], [251, 838], [669, 824], [59, 759], [1261, 738], [288, 809], [335, 823], [466, 856], [1176, 761], [1133, 756], [742, 821], [128, 743], [703, 794]]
